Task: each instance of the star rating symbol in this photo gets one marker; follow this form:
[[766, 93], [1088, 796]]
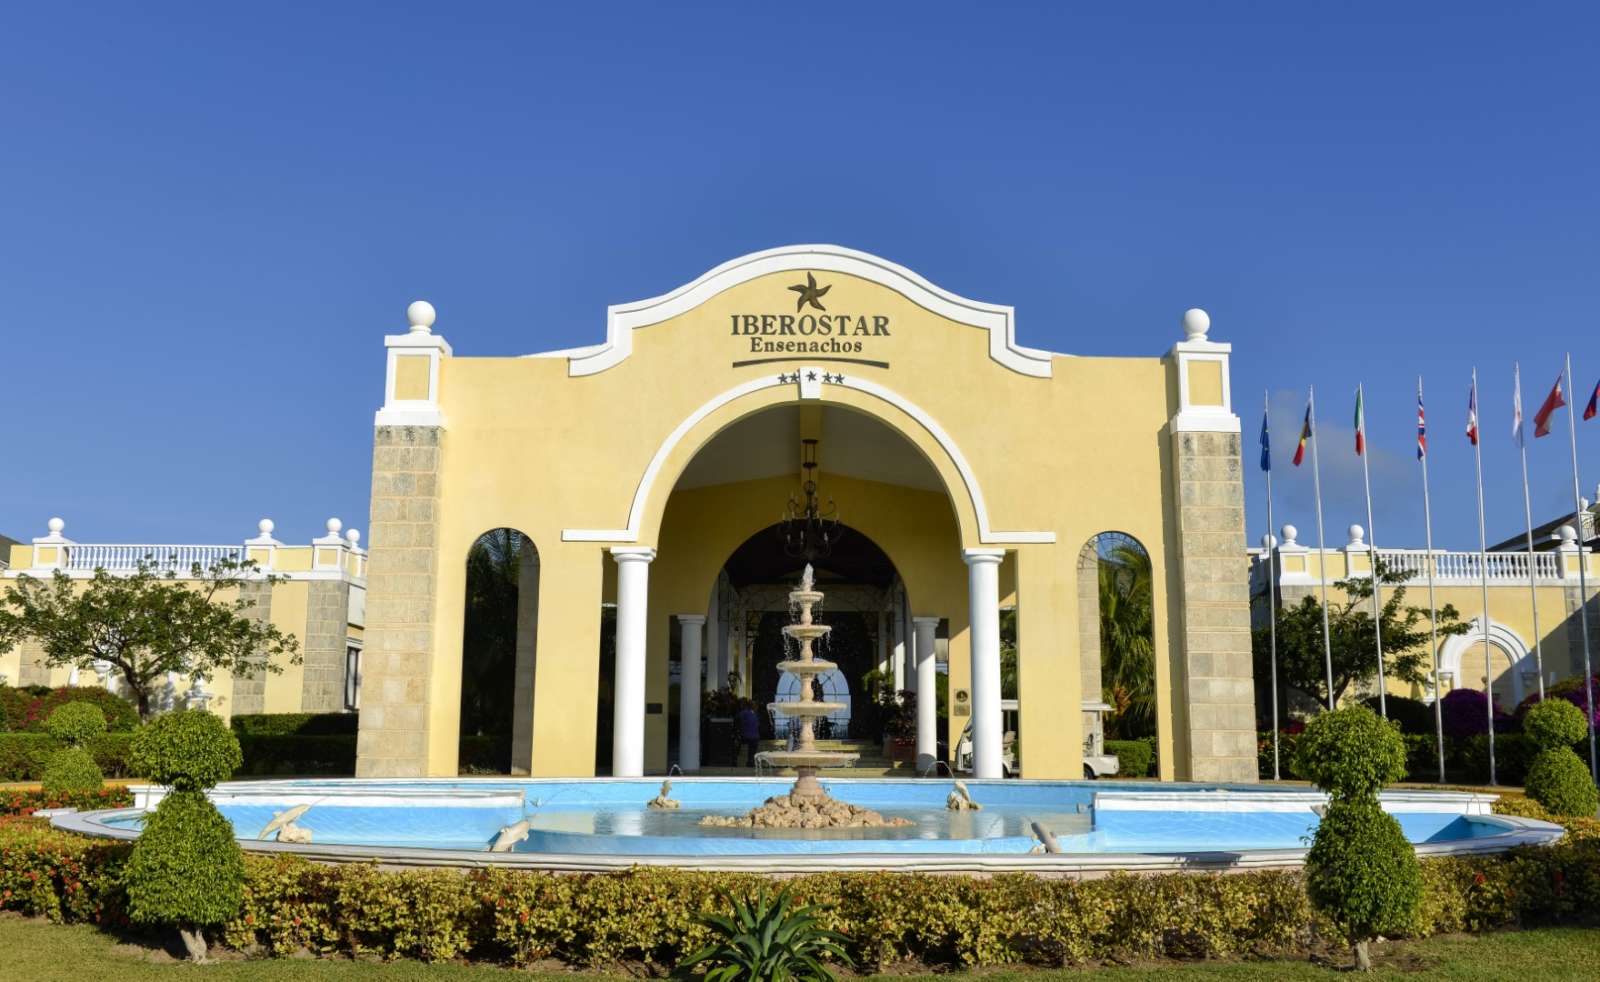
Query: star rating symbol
[[810, 293], [832, 379]]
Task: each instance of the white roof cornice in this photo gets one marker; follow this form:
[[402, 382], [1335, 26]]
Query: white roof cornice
[[623, 319]]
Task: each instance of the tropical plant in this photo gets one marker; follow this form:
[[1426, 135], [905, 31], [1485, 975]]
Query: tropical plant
[[1303, 662], [147, 624], [766, 938], [1127, 636]]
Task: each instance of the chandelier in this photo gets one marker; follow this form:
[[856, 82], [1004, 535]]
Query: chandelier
[[809, 530]]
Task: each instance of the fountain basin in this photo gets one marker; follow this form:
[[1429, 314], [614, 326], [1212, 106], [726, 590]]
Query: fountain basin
[[804, 632], [604, 823], [810, 758], [815, 666], [810, 708]]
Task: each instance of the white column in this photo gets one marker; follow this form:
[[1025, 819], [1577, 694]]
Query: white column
[[633, 598], [897, 650], [983, 601], [692, 627], [927, 694]]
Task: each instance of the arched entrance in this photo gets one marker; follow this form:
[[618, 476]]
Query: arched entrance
[[720, 578], [499, 637]]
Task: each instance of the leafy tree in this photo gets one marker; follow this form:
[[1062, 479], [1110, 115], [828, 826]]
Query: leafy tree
[[1301, 662], [148, 623], [1127, 636]]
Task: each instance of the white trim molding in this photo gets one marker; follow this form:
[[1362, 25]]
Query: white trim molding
[[1460, 648], [623, 319], [1203, 419], [805, 379]]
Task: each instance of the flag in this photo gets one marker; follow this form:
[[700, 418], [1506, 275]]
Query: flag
[[1552, 402], [1472, 412], [1266, 445], [1361, 425], [1422, 425], [1594, 399], [1305, 434], [1516, 404]]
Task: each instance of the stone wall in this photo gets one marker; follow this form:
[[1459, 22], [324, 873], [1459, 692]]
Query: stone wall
[[250, 691], [327, 630], [1214, 599], [400, 602]]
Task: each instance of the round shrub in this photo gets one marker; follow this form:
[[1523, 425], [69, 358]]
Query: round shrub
[[72, 769], [190, 750], [1466, 713], [186, 869], [1554, 723], [1560, 781], [1350, 752], [1362, 873], [76, 723]]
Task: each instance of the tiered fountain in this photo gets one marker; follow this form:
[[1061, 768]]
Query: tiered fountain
[[807, 805]]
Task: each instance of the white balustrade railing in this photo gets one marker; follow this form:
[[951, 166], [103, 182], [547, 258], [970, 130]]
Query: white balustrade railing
[[1469, 566], [123, 558]]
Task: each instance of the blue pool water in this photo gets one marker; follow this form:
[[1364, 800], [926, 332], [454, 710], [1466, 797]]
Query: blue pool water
[[610, 816]]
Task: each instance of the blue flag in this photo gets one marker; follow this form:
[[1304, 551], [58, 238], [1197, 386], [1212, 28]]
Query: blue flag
[[1266, 445]]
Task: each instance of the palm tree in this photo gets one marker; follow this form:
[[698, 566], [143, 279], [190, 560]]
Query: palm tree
[[1127, 640]]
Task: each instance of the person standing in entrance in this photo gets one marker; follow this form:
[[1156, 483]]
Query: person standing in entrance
[[748, 725]]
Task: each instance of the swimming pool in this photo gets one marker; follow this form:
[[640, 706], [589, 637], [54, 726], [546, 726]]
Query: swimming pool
[[603, 823]]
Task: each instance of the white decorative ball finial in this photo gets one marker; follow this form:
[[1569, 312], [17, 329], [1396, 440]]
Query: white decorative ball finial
[[334, 525], [55, 525], [265, 526], [1289, 534], [1196, 323], [1269, 542], [353, 536], [1357, 534], [1568, 535], [421, 315]]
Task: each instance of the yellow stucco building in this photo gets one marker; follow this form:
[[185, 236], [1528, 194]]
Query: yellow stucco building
[[647, 473], [319, 596]]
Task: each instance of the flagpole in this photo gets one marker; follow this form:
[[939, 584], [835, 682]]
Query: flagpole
[[1527, 510], [1372, 554], [1583, 581], [1433, 619], [1483, 572], [1272, 583], [1322, 545]]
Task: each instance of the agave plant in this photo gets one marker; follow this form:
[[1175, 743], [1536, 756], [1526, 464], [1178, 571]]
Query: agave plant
[[766, 938]]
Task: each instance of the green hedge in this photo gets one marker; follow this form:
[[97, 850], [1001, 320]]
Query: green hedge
[[25, 710], [23, 755], [14, 801], [297, 755], [1135, 758], [294, 724], [648, 915]]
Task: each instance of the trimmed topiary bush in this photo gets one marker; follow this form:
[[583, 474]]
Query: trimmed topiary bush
[[1350, 752], [72, 769], [1361, 873], [1559, 780], [76, 723], [186, 869], [188, 750]]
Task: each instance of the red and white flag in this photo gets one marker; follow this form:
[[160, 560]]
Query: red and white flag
[[1552, 402], [1472, 412]]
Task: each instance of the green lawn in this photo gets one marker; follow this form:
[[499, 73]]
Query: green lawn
[[40, 952]]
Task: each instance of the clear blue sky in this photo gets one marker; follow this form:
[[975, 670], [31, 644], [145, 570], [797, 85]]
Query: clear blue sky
[[212, 216]]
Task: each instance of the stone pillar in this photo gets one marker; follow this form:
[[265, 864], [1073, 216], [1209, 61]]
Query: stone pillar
[[897, 646], [983, 601], [689, 685], [250, 691], [927, 694], [1092, 686], [1212, 619], [396, 738], [633, 599], [527, 658]]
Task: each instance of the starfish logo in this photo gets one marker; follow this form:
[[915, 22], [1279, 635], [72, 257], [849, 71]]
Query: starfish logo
[[810, 293]]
